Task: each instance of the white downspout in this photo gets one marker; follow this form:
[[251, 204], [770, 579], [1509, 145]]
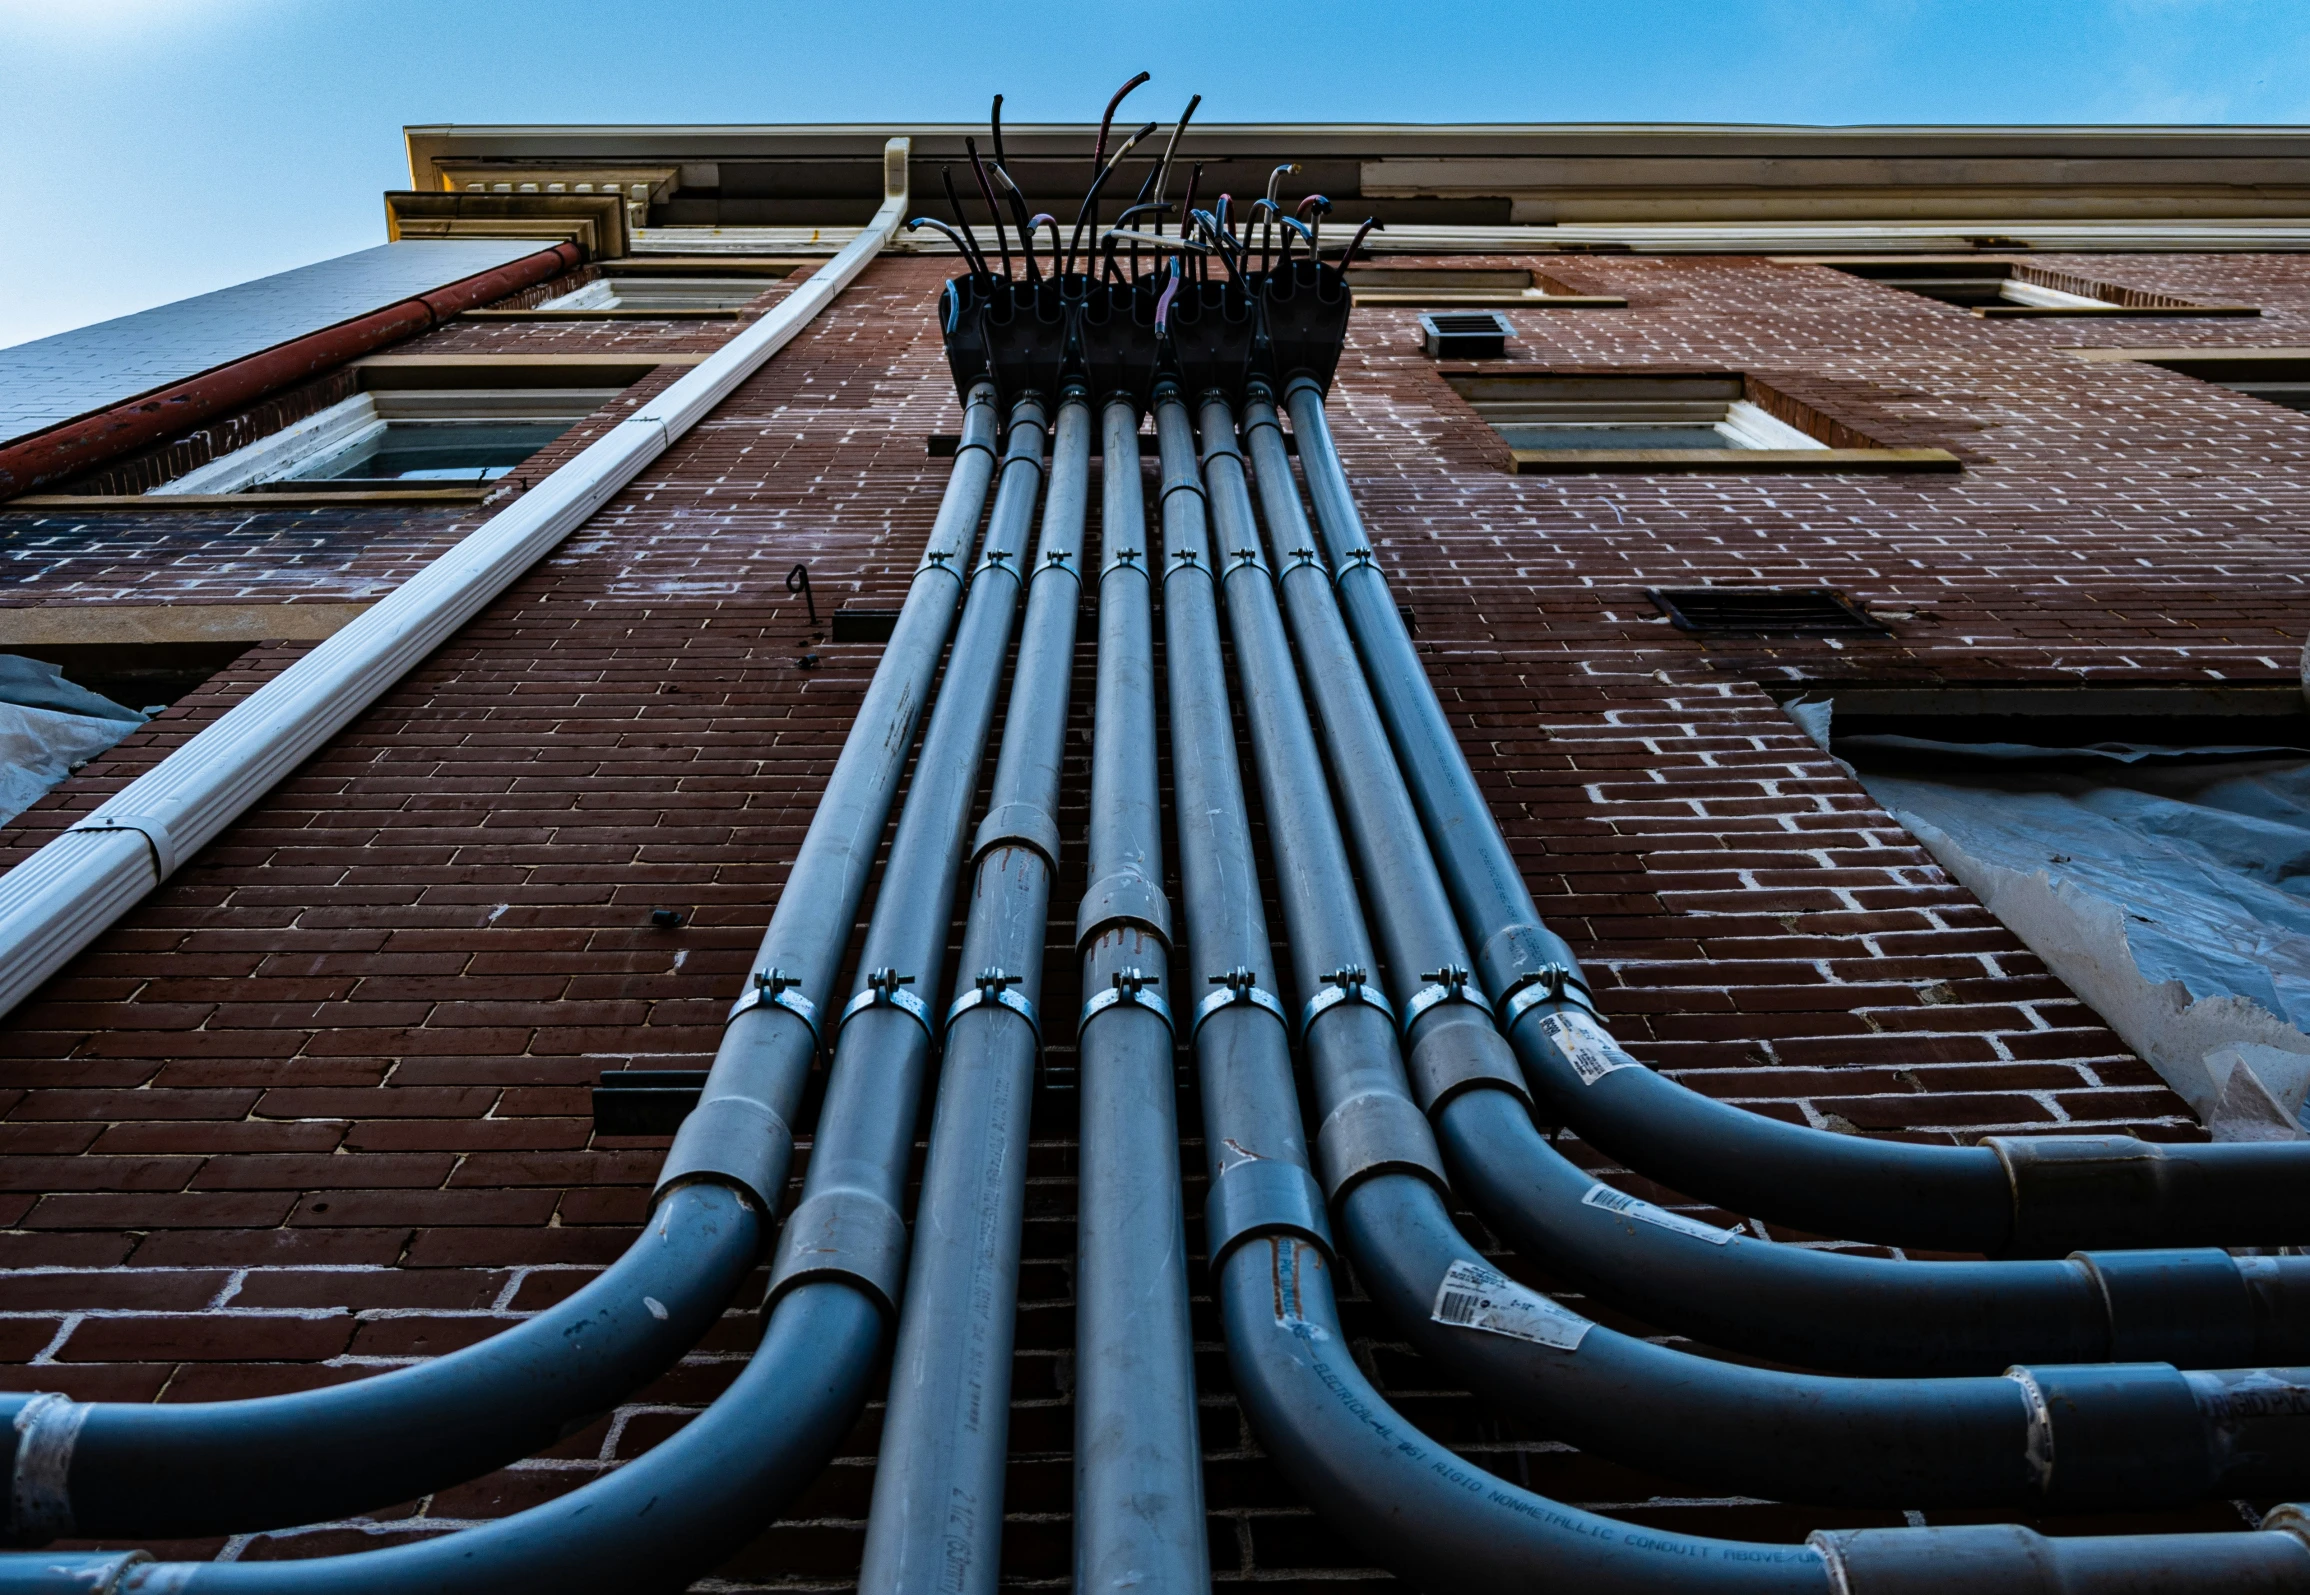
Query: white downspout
[[64, 896]]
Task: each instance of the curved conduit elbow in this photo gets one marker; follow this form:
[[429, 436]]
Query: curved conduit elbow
[[2011, 1195], [2066, 1437], [1829, 1310], [1407, 1502], [160, 1470], [835, 1277]]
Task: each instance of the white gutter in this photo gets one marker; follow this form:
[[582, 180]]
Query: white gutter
[[66, 895]]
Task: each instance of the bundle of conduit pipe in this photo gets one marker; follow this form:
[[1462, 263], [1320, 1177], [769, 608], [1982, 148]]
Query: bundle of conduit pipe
[[2110, 1356]]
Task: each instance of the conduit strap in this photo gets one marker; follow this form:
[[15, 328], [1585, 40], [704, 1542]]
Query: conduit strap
[[1123, 559], [1260, 1196], [1027, 825], [1240, 559], [1357, 559], [1516, 955], [845, 1234], [937, 559], [1060, 560], [1123, 898], [1241, 988], [40, 1493], [995, 559], [1554, 983], [151, 827], [885, 989], [774, 988], [993, 989], [1452, 983], [1349, 983], [1128, 991]]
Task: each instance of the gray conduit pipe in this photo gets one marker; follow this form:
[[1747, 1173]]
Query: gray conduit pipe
[[661, 1520], [1389, 1489], [1400, 1497], [937, 1518], [1829, 1310], [2011, 1195], [177, 1470], [1409, 1503], [2068, 1437], [1138, 1463]]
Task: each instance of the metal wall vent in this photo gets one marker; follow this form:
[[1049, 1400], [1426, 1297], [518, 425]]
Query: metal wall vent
[[1764, 611], [1466, 334], [864, 625]]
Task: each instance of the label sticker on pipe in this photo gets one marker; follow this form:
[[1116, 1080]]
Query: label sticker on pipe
[[1627, 1206], [1586, 1045], [1475, 1297]]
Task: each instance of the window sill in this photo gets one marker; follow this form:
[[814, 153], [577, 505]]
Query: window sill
[[149, 503], [1447, 298], [1649, 462], [2137, 312], [606, 315]]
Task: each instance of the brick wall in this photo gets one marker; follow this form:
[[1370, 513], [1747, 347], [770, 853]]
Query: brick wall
[[318, 1107]]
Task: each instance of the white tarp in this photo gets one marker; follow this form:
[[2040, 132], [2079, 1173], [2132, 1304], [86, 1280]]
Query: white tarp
[[2168, 887], [40, 747]]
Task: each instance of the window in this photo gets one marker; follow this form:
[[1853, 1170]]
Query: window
[[401, 438], [2151, 845], [662, 288], [1470, 285], [1663, 422], [620, 292], [2012, 288], [1764, 612], [2279, 378]]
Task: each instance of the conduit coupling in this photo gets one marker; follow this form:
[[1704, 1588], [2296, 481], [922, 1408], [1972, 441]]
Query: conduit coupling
[[59, 900]]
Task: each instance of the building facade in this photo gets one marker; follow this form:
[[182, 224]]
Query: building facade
[[2009, 422]]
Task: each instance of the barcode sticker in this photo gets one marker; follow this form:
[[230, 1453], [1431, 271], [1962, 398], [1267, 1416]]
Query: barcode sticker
[[1592, 1052], [1475, 1297], [1627, 1206]]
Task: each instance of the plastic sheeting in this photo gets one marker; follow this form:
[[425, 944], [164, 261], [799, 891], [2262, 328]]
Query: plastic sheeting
[[2169, 887], [37, 684], [48, 727], [40, 747]]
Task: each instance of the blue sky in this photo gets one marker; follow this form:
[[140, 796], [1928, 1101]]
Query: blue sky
[[160, 148]]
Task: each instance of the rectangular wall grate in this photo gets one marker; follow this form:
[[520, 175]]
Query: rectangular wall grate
[[645, 1101], [1765, 611], [1466, 334], [864, 625]]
